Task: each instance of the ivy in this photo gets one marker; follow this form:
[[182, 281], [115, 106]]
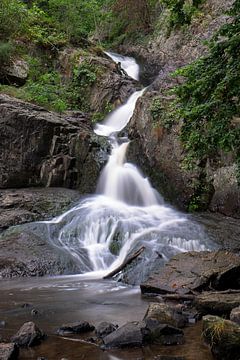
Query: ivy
[[208, 101]]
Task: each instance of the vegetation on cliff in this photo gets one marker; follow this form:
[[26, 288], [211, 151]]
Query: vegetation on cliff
[[208, 101]]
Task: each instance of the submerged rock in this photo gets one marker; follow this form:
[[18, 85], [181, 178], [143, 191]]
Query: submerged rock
[[196, 271], [223, 336], [28, 335], [8, 351], [75, 328], [217, 303]]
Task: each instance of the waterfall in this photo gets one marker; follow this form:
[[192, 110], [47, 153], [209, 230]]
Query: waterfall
[[125, 213]]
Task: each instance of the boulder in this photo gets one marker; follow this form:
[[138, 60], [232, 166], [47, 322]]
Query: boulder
[[162, 334], [8, 351], [139, 333], [28, 335], [164, 314], [18, 206], [196, 271], [15, 73], [24, 253], [223, 336], [129, 335], [235, 315], [217, 303], [42, 148], [105, 328], [79, 327]]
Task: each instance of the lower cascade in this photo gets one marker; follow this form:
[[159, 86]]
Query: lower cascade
[[125, 214]]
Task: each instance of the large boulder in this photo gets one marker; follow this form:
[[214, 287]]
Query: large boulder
[[129, 335], [196, 271], [18, 206], [43, 148], [223, 336], [24, 253], [28, 335]]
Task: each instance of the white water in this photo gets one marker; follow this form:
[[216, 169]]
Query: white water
[[125, 214], [128, 64]]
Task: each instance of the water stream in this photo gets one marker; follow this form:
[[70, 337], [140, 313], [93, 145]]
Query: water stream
[[126, 212]]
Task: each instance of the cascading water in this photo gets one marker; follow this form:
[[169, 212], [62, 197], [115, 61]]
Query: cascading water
[[126, 213]]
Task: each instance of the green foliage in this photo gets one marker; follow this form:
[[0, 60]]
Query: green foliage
[[161, 112], [208, 101], [181, 11], [13, 17], [47, 91], [6, 51]]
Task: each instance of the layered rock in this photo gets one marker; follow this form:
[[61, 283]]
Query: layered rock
[[41, 148], [194, 272], [18, 206]]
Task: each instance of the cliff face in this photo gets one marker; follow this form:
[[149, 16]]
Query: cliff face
[[213, 182]]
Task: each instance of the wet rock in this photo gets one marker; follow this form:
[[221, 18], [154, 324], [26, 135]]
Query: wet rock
[[24, 253], [105, 328], [129, 335], [196, 271], [223, 336], [8, 351], [28, 335], [42, 148], [217, 303], [163, 334], [164, 314], [2, 323], [235, 315], [75, 328], [18, 206]]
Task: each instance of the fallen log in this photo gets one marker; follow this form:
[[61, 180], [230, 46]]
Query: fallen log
[[125, 263]]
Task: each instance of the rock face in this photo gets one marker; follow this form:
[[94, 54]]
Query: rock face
[[28, 335], [156, 147], [46, 149], [223, 336], [24, 253], [18, 206], [196, 271], [112, 86], [8, 351]]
